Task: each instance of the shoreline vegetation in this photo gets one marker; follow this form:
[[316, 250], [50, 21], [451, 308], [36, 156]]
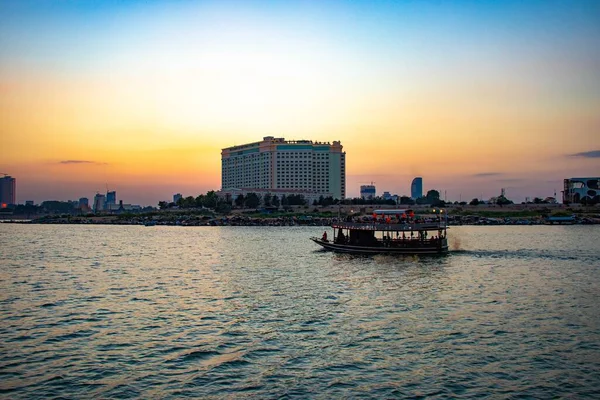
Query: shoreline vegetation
[[324, 216]]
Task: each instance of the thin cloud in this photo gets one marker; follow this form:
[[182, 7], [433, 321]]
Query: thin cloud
[[487, 174], [588, 154], [70, 162]]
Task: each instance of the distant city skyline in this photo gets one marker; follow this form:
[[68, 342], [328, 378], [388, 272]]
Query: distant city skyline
[[143, 95]]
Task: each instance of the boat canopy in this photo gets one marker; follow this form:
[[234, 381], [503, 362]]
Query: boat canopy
[[391, 212], [356, 226]]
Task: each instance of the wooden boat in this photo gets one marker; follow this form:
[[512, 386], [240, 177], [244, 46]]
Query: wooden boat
[[403, 236]]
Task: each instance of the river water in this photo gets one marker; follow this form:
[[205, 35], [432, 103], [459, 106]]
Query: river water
[[238, 312]]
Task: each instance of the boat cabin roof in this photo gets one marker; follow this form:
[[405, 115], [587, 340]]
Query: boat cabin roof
[[356, 226], [391, 212]]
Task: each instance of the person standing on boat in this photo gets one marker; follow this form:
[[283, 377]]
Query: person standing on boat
[[341, 238], [324, 238]]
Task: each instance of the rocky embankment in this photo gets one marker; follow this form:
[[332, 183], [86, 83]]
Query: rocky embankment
[[171, 219]]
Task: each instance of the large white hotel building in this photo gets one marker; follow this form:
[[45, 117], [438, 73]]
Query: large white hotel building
[[277, 165]]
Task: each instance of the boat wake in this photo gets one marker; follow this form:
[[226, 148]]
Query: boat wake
[[524, 254]]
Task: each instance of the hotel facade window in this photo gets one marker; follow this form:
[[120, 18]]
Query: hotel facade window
[[275, 163]]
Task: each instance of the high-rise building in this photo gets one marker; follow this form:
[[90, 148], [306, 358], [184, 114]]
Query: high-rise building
[[99, 202], [8, 191], [176, 197], [416, 188], [275, 163], [83, 204], [111, 199], [368, 192]]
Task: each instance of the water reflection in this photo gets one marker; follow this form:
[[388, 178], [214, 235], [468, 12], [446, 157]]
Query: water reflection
[[257, 311]]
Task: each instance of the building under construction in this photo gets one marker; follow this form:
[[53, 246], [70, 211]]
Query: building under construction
[[581, 191]]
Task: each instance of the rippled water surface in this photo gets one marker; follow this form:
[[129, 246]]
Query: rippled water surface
[[237, 312]]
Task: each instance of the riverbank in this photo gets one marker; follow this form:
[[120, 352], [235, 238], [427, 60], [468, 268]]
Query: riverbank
[[314, 218]]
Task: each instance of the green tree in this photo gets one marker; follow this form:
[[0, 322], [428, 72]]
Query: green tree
[[474, 202], [275, 201], [210, 200], [432, 196], [405, 200], [252, 200], [267, 200], [328, 201], [438, 203], [163, 205], [421, 200], [239, 201], [296, 200], [223, 207], [200, 200], [189, 202], [503, 201]]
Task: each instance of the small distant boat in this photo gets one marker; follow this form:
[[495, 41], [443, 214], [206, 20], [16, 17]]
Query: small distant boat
[[404, 236], [560, 220]]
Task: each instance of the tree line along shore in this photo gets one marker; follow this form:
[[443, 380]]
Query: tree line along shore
[[325, 215]]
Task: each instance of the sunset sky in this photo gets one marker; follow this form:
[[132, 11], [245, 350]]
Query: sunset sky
[[141, 96]]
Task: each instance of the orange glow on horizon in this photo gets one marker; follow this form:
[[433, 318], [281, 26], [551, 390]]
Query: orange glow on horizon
[[150, 104]]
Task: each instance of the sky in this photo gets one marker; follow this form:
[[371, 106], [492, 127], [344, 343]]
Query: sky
[[141, 96]]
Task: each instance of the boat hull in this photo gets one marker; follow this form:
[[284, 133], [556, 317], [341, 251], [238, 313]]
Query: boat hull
[[413, 250]]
